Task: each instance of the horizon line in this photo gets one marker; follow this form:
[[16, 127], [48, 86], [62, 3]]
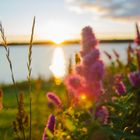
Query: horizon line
[[76, 41]]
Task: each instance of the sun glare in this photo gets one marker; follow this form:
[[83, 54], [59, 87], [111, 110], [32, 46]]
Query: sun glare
[[83, 96], [57, 66], [57, 39], [57, 31]]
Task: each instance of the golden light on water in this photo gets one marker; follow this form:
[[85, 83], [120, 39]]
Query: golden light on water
[[57, 66]]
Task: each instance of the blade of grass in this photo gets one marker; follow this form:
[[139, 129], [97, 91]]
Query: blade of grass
[[29, 75], [4, 44]]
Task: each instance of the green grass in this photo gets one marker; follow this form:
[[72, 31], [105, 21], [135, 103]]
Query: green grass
[[40, 109]]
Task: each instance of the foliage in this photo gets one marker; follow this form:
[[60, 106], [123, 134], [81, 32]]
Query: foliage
[[97, 102]]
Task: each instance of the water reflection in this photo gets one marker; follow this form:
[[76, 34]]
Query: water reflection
[[58, 65], [45, 56]]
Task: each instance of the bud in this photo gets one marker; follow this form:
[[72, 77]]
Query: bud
[[52, 97]]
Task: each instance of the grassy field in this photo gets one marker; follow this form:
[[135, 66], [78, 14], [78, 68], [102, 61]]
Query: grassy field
[[40, 109]]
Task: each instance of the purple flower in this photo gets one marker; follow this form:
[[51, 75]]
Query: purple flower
[[96, 71], [88, 74], [73, 82], [50, 125], [134, 78], [120, 88], [79, 69], [102, 115], [93, 90], [89, 40], [91, 57], [54, 98]]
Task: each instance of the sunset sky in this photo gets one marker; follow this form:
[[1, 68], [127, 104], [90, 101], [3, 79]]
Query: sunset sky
[[59, 20]]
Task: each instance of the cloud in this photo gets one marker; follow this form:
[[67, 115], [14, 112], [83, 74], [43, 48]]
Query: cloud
[[117, 9]]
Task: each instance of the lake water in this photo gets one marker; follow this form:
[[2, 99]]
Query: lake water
[[42, 58]]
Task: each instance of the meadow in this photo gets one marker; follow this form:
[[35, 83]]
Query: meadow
[[93, 102]]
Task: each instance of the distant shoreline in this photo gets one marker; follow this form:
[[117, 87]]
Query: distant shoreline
[[70, 42]]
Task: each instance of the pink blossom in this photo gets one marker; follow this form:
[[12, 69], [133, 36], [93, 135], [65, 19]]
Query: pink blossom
[[52, 97], [96, 71], [102, 115], [134, 78], [120, 88], [91, 57], [50, 125], [79, 69], [73, 82], [88, 74], [88, 40], [93, 72], [95, 90]]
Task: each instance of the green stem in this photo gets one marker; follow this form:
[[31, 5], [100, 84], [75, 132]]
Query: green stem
[[11, 68], [29, 76]]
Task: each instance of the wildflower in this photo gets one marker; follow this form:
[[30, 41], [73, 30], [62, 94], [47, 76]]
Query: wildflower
[[92, 91], [120, 88], [137, 40], [91, 57], [134, 78], [50, 126], [73, 82], [102, 115], [89, 40], [96, 71], [86, 82], [52, 97], [51, 123], [79, 69]]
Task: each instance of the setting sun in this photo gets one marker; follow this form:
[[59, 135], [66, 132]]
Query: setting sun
[[57, 39], [57, 31]]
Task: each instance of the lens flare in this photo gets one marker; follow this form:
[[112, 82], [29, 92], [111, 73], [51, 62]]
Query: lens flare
[[83, 97]]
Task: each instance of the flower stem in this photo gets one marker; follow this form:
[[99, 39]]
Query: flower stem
[[29, 76]]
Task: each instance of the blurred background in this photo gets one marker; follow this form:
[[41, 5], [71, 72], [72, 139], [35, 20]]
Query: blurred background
[[57, 32]]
